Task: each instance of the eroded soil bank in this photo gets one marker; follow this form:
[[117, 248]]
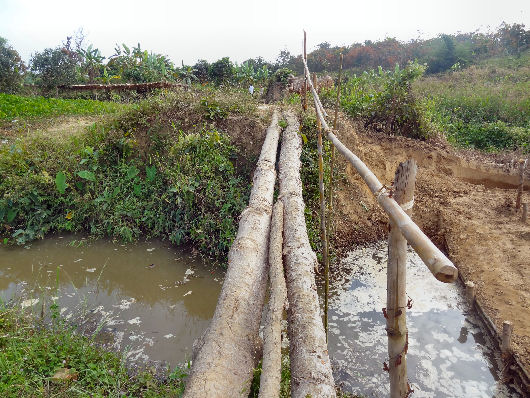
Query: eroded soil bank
[[465, 202]]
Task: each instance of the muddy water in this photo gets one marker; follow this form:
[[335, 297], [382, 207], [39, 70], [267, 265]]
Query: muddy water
[[448, 355], [148, 299], [152, 301]]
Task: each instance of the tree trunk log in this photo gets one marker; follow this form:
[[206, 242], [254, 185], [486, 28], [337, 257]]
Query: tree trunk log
[[310, 365], [272, 334], [224, 364], [396, 299]]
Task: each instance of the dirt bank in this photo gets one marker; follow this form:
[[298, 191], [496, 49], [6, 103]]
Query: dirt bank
[[465, 202]]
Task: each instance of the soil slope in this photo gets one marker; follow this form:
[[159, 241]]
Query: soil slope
[[464, 201]]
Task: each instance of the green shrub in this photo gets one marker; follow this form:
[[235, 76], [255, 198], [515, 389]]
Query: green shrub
[[135, 176], [385, 101]]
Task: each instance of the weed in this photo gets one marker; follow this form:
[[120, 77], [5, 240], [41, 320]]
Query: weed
[[33, 358]]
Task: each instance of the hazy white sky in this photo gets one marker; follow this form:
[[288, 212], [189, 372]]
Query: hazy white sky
[[209, 29]]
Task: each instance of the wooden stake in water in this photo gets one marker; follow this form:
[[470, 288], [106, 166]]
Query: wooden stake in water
[[396, 322], [325, 254]]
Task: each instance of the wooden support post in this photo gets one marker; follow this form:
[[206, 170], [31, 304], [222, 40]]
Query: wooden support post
[[396, 322], [507, 329], [323, 229], [525, 212], [470, 293], [522, 168], [306, 76]]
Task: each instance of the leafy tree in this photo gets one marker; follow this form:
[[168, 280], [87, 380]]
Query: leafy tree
[[54, 67], [514, 38], [202, 70], [11, 68], [222, 71], [91, 62], [140, 66]]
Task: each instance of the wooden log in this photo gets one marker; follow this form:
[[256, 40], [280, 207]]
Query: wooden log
[[272, 333], [525, 212], [396, 299], [224, 364], [470, 293], [121, 86], [522, 167], [507, 329], [439, 265], [310, 365]]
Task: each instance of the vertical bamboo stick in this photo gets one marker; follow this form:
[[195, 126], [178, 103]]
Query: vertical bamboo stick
[[304, 87], [470, 293], [332, 162], [521, 184], [325, 256], [507, 329], [396, 323], [525, 212]]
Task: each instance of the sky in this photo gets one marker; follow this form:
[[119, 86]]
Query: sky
[[240, 29]]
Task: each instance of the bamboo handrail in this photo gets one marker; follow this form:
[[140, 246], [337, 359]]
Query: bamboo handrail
[[440, 266]]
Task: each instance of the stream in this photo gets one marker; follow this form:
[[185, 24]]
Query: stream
[[151, 301]]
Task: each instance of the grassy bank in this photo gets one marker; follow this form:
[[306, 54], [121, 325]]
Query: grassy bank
[[484, 106], [15, 106], [165, 168], [45, 361]]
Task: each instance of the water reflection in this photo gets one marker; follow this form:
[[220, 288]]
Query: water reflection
[[147, 298], [448, 355]]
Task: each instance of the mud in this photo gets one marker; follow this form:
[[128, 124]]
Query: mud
[[464, 202]]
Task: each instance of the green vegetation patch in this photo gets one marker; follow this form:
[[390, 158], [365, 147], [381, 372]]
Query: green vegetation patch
[[485, 106], [384, 100], [15, 106], [40, 361], [158, 170]]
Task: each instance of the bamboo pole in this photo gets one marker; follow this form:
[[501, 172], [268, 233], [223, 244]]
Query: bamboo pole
[[224, 363], [314, 92], [507, 329], [470, 293], [272, 333], [520, 189], [332, 162], [396, 300], [525, 212], [310, 365], [323, 229], [306, 77], [439, 265]]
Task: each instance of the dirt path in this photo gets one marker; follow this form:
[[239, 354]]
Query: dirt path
[[61, 126], [465, 202]]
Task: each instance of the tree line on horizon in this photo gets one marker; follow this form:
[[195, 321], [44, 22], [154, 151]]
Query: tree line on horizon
[[74, 62]]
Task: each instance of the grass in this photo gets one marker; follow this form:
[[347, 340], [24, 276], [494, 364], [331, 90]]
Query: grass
[[32, 354], [164, 168], [15, 106], [485, 106]]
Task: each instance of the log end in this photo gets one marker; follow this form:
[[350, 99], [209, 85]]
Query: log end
[[446, 274]]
